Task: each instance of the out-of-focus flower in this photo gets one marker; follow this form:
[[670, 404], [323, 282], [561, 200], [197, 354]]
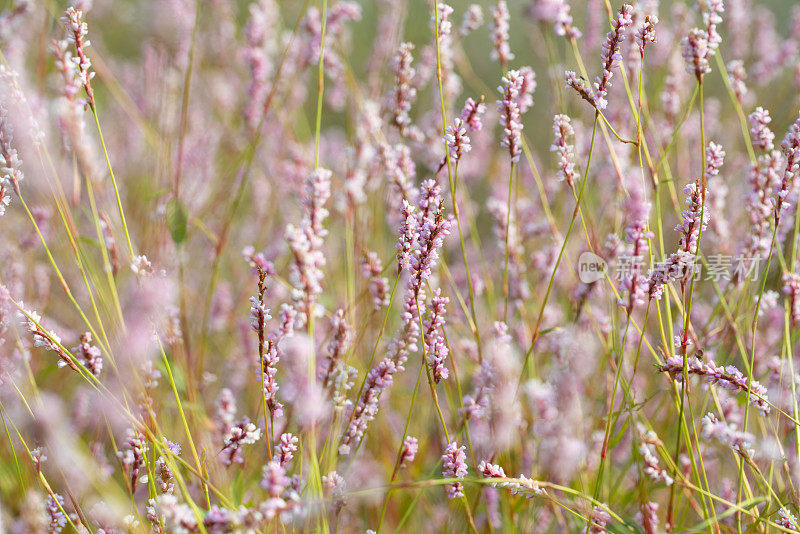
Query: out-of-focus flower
[[510, 114], [501, 51], [473, 19]]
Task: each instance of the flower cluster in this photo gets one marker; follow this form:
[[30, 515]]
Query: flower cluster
[[421, 236], [510, 113], [728, 434], [471, 114], [404, 93], [454, 465], [521, 485], [562, 133], [790, 146], [501, 51], [131, 456], [760, 133], [473, 19], [89, 355], [242, 433], [55, 505], [728, 377], [610, 55], [78, 30], [433, 341], [646, 33], [555, 12], [409, 451], [370, 355], [306, 242], [457, 139], [700, 45], [371, 270], [10, 164]]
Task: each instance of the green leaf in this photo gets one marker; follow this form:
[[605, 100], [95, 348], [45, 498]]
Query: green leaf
[[176, 220]]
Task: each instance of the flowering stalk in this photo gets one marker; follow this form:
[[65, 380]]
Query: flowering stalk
[[610, 54], [500, 27], [404, 93], [646, 33], [701, 43], [454, 465], [421, 236], [78, 30], [562, 131], [791, 151], [371, 269], [10, 164], [728, 377], [555, 12], [306, 242], [434, 342], [511, 140]]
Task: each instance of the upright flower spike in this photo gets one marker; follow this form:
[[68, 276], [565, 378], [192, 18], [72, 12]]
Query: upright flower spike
[[760, 133], [473, 19], [131, 455], [637, 235], [679, 265], [271, 357], [737, 76], [527, 87], [701, 43], [457, 140], [790, 146], [274, 480], [404, 93], [646, 33], [10, 164], [305, 242], [78, 30], [451, 83], [57, 519], [562, 134], [510, 114], [711, 17], [421, 237], [500, 27], [435, 344], [371, 270], [556, 12], [454, 465], [409, 452], [472, 113], [341, 336], [260, 46], [610, 54], [286, 449], [695, 53]]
